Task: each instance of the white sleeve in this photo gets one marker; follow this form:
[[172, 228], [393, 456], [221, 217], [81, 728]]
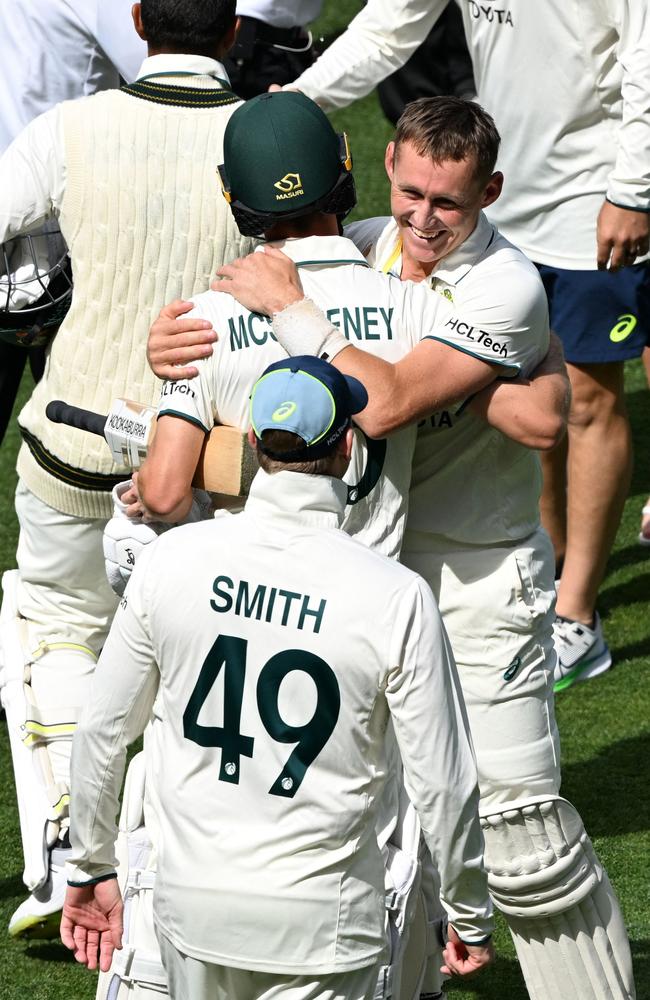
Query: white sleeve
[[432, 731], [501, 318], [117, 37], [378, 41], [629, 180], [193, 399], [32, 175], [121, 698]]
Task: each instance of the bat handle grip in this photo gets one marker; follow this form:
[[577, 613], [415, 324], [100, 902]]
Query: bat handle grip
[[63, 413]]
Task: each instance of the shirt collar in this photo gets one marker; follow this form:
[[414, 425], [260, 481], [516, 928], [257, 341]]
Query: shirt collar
[[321, 250], [318, 501], [451, 268], [178, 63]]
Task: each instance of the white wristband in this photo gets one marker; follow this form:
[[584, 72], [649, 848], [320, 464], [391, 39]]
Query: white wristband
[[302, 328]]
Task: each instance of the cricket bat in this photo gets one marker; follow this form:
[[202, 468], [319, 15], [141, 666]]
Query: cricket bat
[[227, 463]]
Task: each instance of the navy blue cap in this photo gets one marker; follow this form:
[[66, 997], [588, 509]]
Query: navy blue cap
[[307, 397]]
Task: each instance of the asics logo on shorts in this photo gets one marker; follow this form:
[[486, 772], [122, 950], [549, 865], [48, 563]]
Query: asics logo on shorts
[[623, 327]]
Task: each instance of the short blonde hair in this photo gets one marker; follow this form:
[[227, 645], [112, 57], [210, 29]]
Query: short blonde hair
[[450, 128]]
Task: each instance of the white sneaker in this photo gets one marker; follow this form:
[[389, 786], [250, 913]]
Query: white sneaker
[[581, 652], [644, 539], [39, 915]]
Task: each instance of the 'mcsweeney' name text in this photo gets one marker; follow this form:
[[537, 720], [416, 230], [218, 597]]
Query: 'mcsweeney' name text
[[269, 604], [356, 323]]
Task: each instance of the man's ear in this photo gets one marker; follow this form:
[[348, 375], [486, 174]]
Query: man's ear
[[345, 444], [252, 440], [389, 160], [493, 189], [230, 37], [136, 14]]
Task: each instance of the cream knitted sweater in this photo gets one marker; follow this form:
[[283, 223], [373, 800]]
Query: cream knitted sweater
[[145, 222]]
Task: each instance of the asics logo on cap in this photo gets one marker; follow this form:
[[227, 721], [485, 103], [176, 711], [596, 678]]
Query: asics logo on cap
[[290, 185], [284, 411]]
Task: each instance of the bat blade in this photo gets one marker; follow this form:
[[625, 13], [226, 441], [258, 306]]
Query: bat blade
[[227, 463]]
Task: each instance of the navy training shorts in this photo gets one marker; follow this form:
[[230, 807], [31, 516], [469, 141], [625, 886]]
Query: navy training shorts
[[600, 316]]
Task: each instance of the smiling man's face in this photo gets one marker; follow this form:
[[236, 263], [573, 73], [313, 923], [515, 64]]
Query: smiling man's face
[[435, 205]]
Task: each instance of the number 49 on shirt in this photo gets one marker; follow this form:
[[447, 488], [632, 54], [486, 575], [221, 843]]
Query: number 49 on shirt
[[229, 652]]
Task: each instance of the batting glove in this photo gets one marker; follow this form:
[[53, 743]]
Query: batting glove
[[125, 537]]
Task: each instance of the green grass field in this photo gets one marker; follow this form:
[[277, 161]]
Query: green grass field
[[604, 724]]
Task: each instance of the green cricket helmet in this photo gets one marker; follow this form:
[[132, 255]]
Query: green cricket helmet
[[283, 159]]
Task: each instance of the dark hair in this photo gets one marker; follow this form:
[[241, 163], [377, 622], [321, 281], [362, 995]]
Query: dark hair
[[285, 441], [450, 128], [194, 26]]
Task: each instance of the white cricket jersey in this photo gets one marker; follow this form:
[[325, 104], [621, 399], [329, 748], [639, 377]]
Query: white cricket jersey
[[377, 314], [278, 646], [55, 50], [470, 482], [568, 84]]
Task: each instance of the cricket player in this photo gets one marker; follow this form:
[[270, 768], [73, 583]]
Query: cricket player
[[473, 531], [577, 161], [130, 175], [270, 878], [50, 51]]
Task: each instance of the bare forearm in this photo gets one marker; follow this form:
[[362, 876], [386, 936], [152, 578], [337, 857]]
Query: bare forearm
[[532, 411], [165, 479], [411, 389], [164, 496]]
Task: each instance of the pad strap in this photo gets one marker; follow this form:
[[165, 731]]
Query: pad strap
[[136, 965], [384, 987], [139, 879], [539, 859], [46, 726]]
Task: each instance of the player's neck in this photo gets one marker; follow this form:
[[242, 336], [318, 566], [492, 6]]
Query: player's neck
[[218, 53], [316, 224], [416, 270]]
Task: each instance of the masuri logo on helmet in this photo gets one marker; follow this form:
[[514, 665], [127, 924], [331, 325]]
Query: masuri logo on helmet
[[290, 185]]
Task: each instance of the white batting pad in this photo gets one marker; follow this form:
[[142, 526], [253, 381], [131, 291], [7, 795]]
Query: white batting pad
[[565, 920]]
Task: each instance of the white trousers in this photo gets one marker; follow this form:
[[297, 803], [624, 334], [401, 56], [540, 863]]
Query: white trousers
[[191, 979], [497, 605], [63, 591]]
